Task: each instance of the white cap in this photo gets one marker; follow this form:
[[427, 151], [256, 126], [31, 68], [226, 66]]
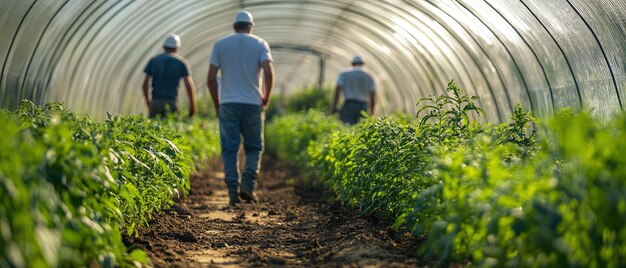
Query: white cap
[[357, 60], [172, 41], [244, 16]]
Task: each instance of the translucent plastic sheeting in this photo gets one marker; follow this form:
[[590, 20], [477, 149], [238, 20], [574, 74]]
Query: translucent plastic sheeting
[[543, 54]]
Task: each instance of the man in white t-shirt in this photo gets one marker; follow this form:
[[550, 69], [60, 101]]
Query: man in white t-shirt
[[241, 102], [358, 88]]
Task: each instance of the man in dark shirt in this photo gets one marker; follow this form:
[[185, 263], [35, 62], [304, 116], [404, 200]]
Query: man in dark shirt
[[165, 70]]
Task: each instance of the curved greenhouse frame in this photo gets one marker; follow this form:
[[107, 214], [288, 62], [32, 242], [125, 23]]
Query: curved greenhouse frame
[[543, 54]]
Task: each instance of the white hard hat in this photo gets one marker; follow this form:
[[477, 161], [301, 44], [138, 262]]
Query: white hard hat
[[357, 60], [244, 16], [172, 41]]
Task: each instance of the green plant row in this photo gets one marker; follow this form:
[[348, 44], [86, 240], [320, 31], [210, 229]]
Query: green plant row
[[71, 186], [289, 136], [492, 195], [304, 99]]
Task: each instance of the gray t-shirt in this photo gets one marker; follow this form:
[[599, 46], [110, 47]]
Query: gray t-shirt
[[239, 56], [166, 70], [356, 84]]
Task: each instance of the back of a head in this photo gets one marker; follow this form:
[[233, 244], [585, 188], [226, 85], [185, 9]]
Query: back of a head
[[357, 60], [172, 41], [243, 20]]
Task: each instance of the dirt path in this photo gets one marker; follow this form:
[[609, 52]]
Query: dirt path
[[290, 226]]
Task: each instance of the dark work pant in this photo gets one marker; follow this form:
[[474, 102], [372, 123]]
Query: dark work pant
[[163, 107], [352, 111]]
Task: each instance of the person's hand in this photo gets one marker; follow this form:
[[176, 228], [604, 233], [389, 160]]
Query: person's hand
[[192, 111], [149, 103], [265, 101]]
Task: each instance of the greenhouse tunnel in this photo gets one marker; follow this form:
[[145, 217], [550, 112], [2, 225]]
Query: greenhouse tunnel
[[542, 54]]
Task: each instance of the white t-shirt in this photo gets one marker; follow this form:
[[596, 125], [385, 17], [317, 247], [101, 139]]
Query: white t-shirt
[[239, 56], [356, 84]]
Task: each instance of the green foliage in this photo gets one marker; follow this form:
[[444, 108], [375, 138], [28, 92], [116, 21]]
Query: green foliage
[[204, 107], [70, 186], [289, 136], [449, 113], [311, 97], [308, 98], [562, 207], [519, 131], [517, 194], [589, 199], [373, 165]]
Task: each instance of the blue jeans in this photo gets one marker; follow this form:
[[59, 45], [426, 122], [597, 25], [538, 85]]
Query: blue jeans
[[351, 111], [236, 121]]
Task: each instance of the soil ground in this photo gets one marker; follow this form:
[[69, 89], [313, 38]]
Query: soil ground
[[292, 226]]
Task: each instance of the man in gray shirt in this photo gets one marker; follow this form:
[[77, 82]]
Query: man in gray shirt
[[240, 102], [165, 70], [357, 87]]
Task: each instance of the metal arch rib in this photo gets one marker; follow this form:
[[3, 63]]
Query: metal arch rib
[[6, 59], [543, 69], [595, 36], [569, 66], [517, 68]]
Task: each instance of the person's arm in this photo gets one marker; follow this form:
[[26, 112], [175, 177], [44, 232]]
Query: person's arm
[[146, 90], [333, 108], [372, 102], [268, 82], [212, 83], [372, 94], [191, 92]]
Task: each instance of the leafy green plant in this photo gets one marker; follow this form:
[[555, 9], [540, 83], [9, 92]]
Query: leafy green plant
[[289, 136], [450, 112], [312, 97], [516, 194], [307, 98], [81, 183], [521, 131]]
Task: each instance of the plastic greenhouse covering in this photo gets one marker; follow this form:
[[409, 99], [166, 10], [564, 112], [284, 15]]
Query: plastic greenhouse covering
[[543, 54]]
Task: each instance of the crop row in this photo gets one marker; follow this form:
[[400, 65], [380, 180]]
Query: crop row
[[517, 194], [71, 186]]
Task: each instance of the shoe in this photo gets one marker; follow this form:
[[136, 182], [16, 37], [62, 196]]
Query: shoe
[[234, 199], [234, 202], [248, 196]]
